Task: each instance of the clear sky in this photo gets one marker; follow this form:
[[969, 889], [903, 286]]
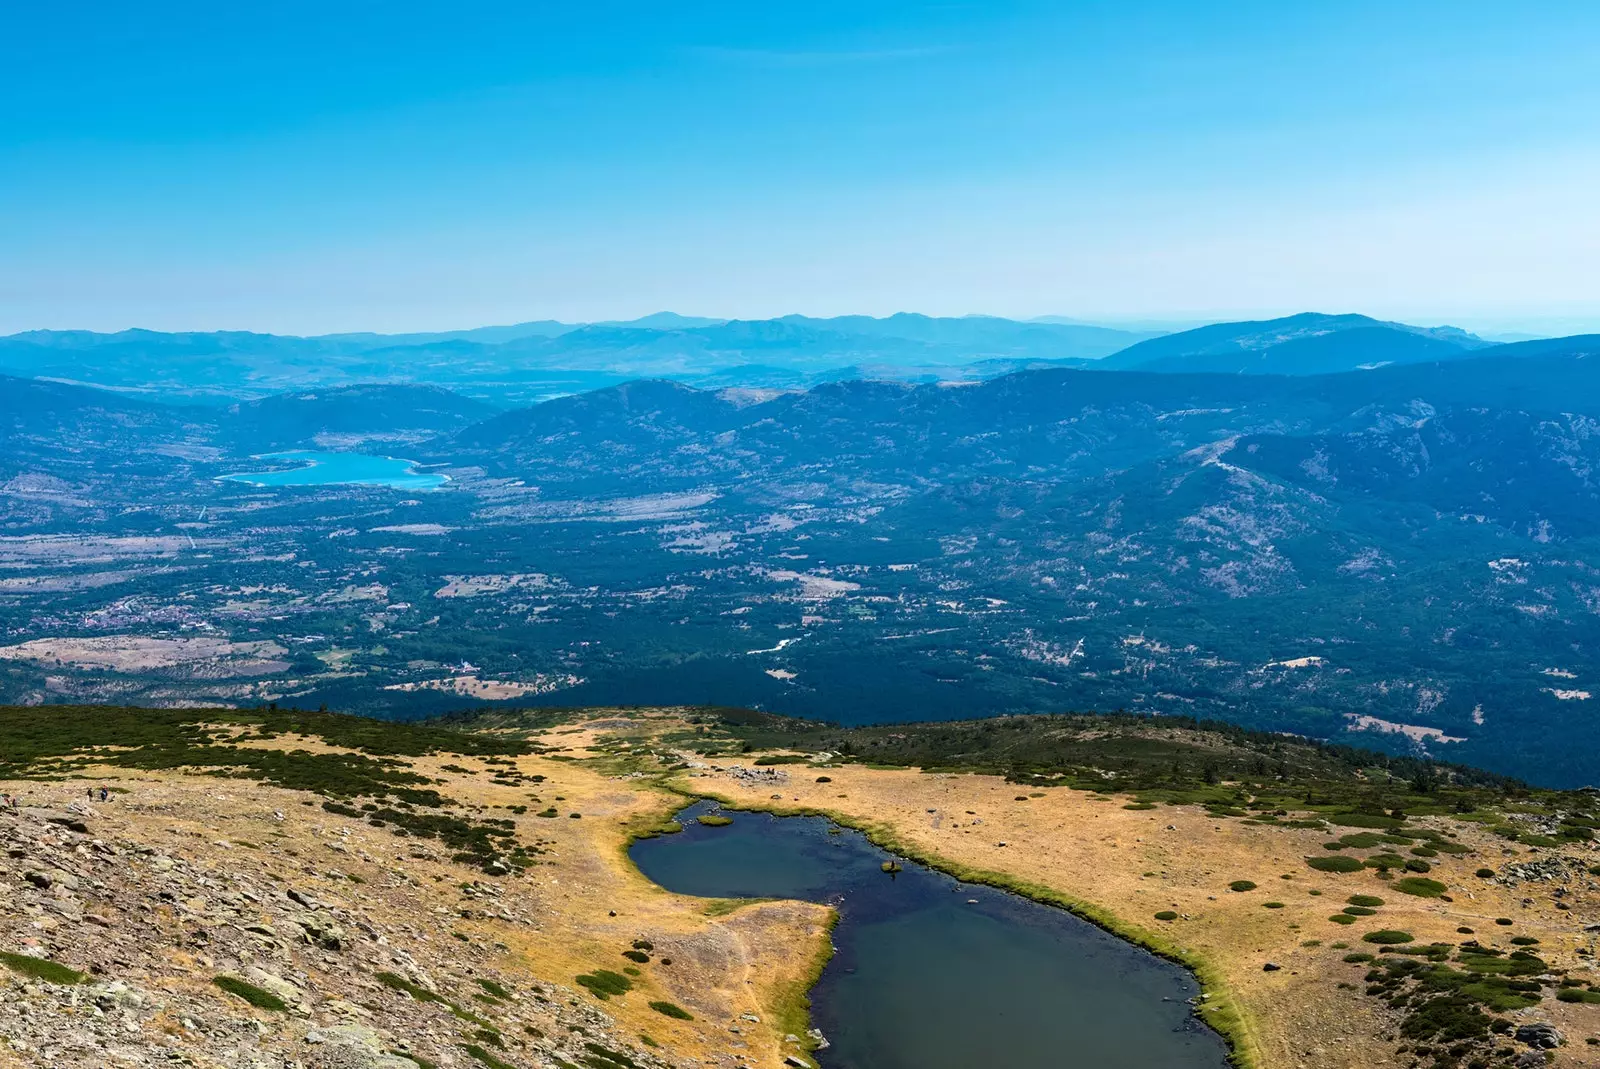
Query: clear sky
[[392, 165]]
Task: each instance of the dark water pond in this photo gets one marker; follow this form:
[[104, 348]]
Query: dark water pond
[[931, 973]]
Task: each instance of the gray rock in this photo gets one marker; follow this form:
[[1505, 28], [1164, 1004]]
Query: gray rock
[[1539, 1034]]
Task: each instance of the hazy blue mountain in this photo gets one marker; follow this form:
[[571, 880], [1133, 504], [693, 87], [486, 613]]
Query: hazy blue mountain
[[526, 362], [1307, 344], [393, 412]]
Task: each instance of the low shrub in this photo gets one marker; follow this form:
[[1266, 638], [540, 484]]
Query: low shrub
[[1166, 915], [1334, 864], [1364, 900], [672, 1010], [1387, 937], [1420, 886], [483, 1057], [51, 972], [1241, 886], [1342, 918], [603, 983], [257, 997]]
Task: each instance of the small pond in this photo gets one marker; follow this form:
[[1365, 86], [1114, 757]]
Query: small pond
[[312, 468], [931, 973]]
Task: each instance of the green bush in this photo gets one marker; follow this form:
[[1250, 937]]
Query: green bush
[[252, 994], [1272, 905], [1342, 918], [603, 983], [1420, 886], [1484, 874], [1365, 820], [1525, 941], [1387, 937], [1357, 957], [1334, 864], [1241, 885], [1359, 911], [1577, 994], [636, 955], [51, 972], [672, 1010], [1166, 915], [1364, 900], [485, 1058], [494, 989]]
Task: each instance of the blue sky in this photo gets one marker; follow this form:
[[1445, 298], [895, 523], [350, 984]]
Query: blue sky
[[308, 167]]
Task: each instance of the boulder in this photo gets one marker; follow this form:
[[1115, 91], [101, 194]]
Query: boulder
[[1539, 1034]]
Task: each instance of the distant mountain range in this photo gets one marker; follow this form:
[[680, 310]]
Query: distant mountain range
[[528, 362], [531, 361]]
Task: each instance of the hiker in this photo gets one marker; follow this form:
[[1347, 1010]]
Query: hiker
[[104, 794], [88, 792]]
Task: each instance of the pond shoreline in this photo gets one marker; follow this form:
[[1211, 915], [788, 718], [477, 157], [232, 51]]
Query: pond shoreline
[[1211, 1010]]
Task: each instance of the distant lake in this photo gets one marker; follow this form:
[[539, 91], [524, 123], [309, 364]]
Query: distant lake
[[351, 469]]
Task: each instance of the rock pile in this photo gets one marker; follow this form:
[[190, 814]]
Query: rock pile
[[116, 950]]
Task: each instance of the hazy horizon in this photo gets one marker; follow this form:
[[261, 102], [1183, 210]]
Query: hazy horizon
[[305, 169]]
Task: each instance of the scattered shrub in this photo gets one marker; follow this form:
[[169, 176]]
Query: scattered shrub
[[1364, 900], [257, 997], [603, 983], [1166, 915], [636, 955], [51, 972], [1241, 885], [1387, 937], [1484, 874], [484, 1057], [1359, 911], [494, 989], [672, 1010], [1342, 918], [1334, 864], [1420, 886]]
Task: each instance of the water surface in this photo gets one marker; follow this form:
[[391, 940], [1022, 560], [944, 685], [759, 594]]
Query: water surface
[[931, 973], [314, 468]]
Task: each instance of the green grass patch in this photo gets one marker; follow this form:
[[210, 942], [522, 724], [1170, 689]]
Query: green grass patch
[[715, 820], [257, 997], [670, 1009], [1420, 886], [603, 983], [483, 1057], [51, 972]]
